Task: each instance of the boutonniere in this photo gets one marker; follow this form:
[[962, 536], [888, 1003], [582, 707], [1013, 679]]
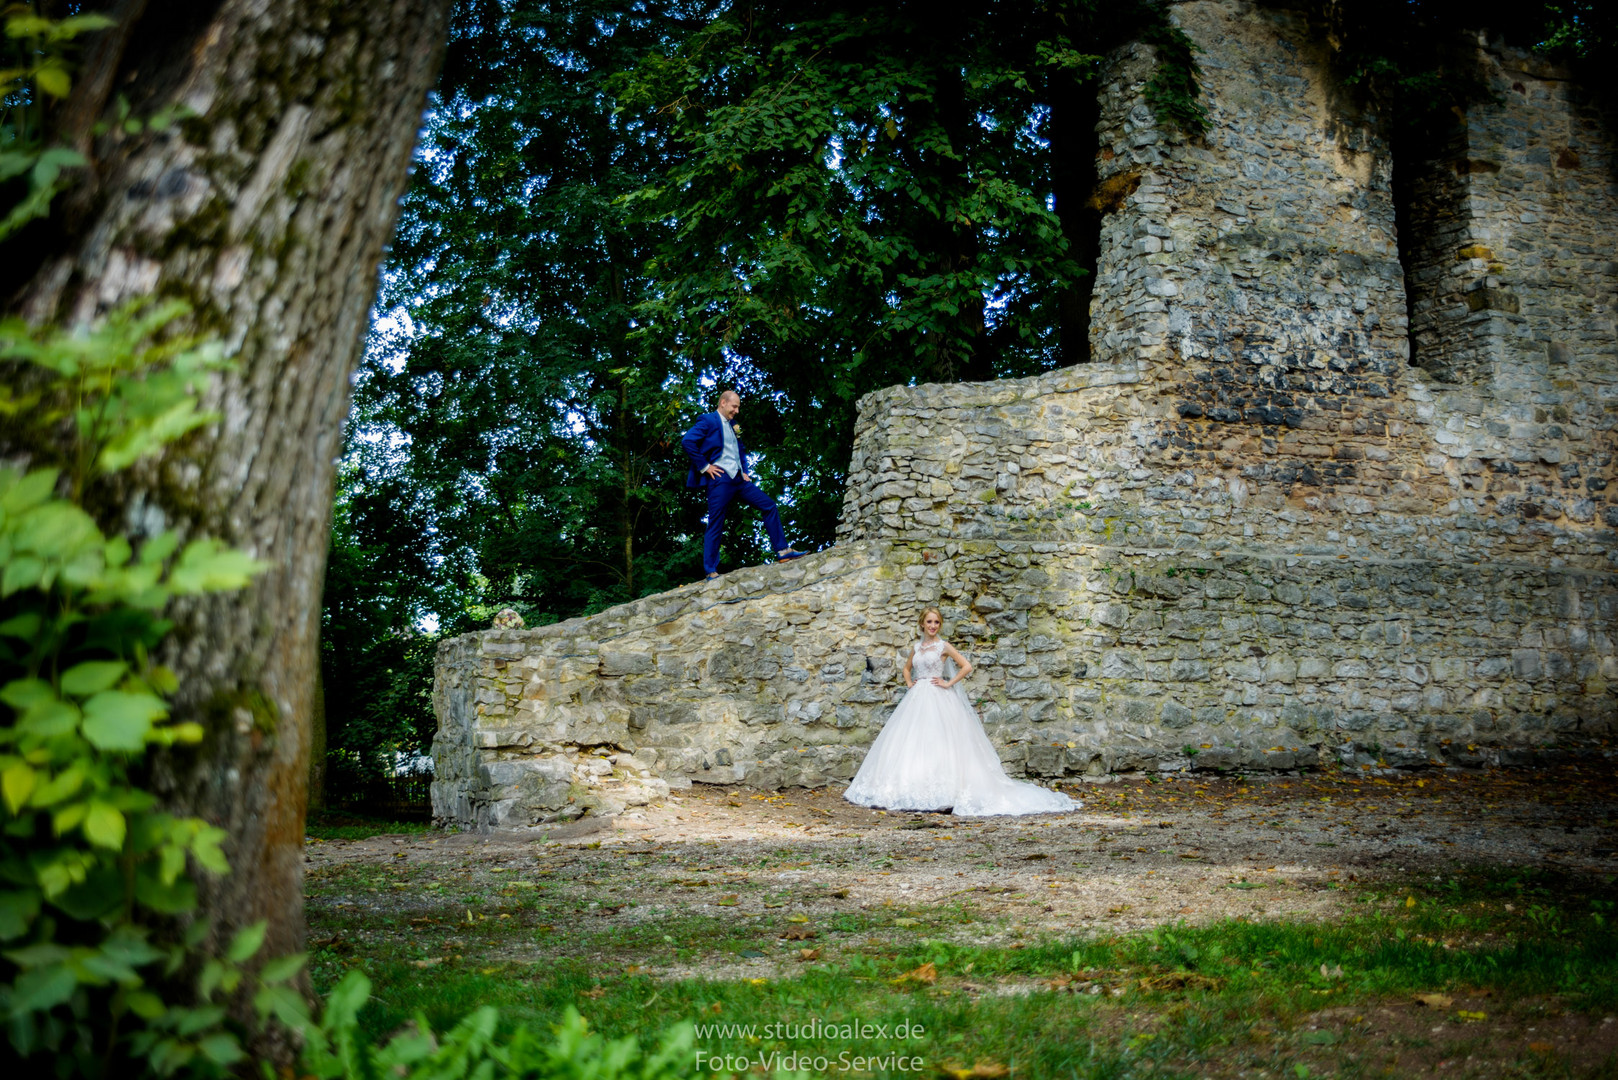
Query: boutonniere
[[736, 428]]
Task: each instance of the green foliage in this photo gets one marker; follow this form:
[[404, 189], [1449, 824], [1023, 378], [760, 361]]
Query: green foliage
[[377, 664], [90, 862], [1416, 58], [337, 1049], [871, 194], [34, 71], [123, 388]]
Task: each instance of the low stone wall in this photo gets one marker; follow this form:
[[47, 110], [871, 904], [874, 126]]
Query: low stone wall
[[1091, 658]]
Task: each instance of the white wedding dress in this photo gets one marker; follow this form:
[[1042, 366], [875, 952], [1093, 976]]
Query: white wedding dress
[[933, 755]]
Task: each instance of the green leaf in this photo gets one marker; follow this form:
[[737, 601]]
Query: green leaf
[[16, 784], [15, 164], [207, 851], [117, 720], [100, 894], [174, 898], [43, 988], [62, 157], [61, 786], [130, 945], [49, 719], [104, 826], [159, 547], [39, 954], [67, 818], [195, 1021], [18, 909], [92, 677], [21, 26], [25, 626], [145, 1004], [81, 24], [346, 999], [21, 573], [284, 1003], [282, 968], [23, 694], [57, 531], [209, 566], [221, 1048], [53, 81], [247, 942]]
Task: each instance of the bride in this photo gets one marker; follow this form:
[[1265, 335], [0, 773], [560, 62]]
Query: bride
[[933, 754]]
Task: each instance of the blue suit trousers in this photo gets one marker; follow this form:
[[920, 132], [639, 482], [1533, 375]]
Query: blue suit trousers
[[721, 493]]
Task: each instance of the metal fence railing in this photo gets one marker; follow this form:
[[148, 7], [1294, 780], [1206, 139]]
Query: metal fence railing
[[395, 798]]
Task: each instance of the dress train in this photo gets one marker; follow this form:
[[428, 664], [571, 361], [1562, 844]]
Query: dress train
[[933, 755]]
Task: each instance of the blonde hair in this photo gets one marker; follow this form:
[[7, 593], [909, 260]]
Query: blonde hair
[[921, 621]]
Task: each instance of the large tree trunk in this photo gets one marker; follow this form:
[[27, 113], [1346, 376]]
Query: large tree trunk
[[268, 210]]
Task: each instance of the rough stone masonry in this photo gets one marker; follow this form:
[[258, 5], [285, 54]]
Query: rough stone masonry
[[1253, 534]]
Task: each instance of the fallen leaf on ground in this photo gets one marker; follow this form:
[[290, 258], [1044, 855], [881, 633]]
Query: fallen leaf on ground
[[1435, 1001], [597, 992], [800, 933], [429, 962], [799, 917], [1179, 980], [927, 973], [983, 1070], [808, 954]]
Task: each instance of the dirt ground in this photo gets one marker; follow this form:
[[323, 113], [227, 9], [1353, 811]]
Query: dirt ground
[[728, 866], [1140, 852]]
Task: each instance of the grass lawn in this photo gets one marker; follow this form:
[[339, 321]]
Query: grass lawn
[[1483, 973]]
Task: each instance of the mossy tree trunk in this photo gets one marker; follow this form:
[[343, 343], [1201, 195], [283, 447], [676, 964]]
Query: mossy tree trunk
[[268, 210]]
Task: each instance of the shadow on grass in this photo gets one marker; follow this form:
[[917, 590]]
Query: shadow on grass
[[1295, 999]]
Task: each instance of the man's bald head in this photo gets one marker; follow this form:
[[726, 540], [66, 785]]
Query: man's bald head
[[730, 402]]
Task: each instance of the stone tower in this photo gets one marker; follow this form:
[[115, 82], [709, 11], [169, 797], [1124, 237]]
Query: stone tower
[[1252, 534]]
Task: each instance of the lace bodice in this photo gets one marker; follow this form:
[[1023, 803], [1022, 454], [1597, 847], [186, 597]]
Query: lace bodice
[[928, 661]]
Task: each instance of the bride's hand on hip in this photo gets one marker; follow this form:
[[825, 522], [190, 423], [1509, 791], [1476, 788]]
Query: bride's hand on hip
[[941, 683]]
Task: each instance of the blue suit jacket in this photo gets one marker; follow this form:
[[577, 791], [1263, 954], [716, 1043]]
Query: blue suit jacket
[[704, 444]]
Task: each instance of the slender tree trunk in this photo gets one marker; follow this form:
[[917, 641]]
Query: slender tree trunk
[[317, 740], [1074, 114], [268, 210], [961, 244]]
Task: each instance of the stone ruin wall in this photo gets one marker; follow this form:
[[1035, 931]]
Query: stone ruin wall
[[1251, 535]]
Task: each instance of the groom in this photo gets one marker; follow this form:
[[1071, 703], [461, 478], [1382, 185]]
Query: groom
[[719, 463]]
